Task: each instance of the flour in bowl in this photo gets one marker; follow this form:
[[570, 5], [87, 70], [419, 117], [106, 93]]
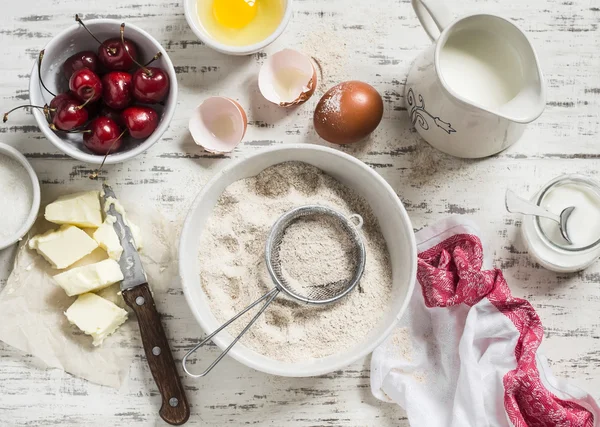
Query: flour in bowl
[[316, 251], [233, 271]]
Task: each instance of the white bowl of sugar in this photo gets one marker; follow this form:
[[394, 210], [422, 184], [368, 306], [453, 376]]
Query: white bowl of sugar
[[19, 196], [207, 216]]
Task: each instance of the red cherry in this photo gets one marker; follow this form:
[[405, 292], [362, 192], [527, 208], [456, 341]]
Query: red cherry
[[86, 85], [150, 85], [69, 115], [113, 56], [140, 121], [116, 89], [63, 113], [112, 53], [102, 136], [113, 115], [60, 98], [85, 59]]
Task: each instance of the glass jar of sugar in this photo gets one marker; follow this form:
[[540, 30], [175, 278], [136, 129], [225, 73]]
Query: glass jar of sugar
[[543, 237]]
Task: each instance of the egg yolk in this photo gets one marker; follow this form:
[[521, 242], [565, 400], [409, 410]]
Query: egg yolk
[[234, 13]]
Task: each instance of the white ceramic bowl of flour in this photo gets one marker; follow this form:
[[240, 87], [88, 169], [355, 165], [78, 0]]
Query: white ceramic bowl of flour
[[19, 196], [393, 220]]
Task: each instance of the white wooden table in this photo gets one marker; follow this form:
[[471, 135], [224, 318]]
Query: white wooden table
[[374, 42]]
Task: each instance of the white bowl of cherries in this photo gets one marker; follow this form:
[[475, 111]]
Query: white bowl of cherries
[[103, 91]]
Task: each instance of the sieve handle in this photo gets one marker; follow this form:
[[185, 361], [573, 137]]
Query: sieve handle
[[269, 296]]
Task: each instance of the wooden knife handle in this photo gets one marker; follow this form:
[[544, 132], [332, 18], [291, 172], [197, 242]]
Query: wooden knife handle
[[175, 409]]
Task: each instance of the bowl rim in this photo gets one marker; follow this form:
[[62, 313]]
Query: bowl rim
[[196, 27], [118, 157], [35, 203], [317, 370]]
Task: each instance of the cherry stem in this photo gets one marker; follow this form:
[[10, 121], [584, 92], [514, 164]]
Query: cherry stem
[[94, 175], [111, 50], [40, 57], [154, 58], [87, 101], [78, 19], [45, 108], [143, 67]]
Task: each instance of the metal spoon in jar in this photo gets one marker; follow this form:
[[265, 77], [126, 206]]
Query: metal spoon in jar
[[516, 204]]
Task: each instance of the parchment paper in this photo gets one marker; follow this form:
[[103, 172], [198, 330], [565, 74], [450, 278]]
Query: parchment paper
[[32, 307]]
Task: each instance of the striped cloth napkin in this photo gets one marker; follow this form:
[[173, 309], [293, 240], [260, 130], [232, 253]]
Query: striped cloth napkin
[[466, 352]]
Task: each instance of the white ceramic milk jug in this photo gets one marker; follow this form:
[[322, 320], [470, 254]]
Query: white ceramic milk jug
[[471, 93]]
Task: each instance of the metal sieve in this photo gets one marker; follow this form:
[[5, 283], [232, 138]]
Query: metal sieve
[[306, 293]]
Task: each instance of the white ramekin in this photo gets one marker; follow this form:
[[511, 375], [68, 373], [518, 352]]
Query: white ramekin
[[193, 20], [395, 225]]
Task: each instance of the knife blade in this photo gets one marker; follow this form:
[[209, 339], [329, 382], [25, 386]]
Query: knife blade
[[130, 262], [136, 293]]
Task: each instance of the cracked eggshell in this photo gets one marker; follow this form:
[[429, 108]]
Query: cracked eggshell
[[287, 78], [218, 124]]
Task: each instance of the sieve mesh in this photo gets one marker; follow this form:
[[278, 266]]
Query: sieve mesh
[[322, 294], [307, 292]]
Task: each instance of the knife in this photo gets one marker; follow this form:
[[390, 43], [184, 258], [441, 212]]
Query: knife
[[175, 409]]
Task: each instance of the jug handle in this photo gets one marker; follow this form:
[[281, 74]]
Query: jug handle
[[433, 15]]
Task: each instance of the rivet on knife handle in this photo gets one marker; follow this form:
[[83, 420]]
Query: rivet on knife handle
[[175, 409]]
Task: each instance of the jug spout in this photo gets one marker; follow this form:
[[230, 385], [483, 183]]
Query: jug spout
[[530, 102], [489, 63]]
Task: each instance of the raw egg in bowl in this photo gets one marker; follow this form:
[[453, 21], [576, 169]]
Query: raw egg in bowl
[[238, 27]]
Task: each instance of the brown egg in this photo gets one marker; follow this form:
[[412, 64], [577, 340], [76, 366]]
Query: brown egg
[[348, 112]]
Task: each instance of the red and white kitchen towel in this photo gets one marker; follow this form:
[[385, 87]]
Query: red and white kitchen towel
[[466, 351]]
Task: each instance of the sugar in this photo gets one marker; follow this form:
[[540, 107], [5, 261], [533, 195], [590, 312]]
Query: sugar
[[16, 196]]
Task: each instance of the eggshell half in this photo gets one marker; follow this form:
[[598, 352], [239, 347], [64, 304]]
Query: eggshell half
[[296, 70], [218, 124]]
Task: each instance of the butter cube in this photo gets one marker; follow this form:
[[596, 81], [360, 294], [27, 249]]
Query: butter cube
[[113, 294], [89, 278], [107, 238], [95, 256], [80, 209], [95, 316], [64, 246]]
